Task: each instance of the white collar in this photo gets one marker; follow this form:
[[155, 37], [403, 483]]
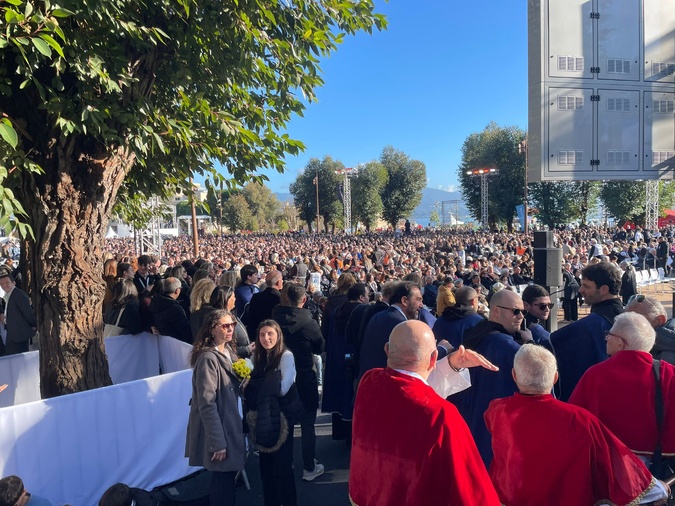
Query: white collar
[[413, 374]]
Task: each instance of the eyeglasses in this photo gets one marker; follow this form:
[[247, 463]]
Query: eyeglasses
[[226, 326], [544, 307], [610, 333], [515, 310]]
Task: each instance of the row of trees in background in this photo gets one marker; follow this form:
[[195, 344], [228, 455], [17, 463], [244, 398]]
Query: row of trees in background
[[386, 189], [554, 203]]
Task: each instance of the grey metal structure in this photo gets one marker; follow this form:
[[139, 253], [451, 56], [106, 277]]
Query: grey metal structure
[[483, 174], [601, 90], [652, 205], [149, 240], [348, 173], [456, 205]]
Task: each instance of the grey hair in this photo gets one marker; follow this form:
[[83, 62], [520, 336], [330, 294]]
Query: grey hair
[[650, 308], [170, 285], [535, 368], [635, 330]]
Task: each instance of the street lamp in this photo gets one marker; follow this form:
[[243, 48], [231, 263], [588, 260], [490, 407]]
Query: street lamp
[[483, 173]]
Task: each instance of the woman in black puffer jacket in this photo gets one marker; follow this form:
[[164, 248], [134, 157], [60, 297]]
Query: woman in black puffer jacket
[[274, 407]]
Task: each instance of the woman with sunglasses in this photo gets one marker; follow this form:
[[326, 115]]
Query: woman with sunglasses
[[215, 436]]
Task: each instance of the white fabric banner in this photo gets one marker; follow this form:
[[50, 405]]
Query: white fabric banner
[[132, 357], [71, 448], [21, 373], [174, 355]]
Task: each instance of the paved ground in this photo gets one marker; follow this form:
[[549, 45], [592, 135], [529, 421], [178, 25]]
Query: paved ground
[[330, 489]]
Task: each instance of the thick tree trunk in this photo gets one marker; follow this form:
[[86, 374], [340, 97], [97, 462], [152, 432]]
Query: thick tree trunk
[[69, 207]]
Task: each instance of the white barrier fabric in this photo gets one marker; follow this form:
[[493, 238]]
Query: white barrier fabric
[[71, 448], [174, 355], [132, 358], [21, 373]]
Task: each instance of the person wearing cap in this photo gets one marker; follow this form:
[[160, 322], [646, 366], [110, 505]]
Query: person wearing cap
[[621, 390]]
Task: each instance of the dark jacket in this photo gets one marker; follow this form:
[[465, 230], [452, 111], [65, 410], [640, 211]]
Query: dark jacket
[[130, 321], [581, 344], [214, 423], [169, 318], [664, 347], [260, 308], [570, 286], [20, 323], [303, 337], [452, 324], [197, 319]]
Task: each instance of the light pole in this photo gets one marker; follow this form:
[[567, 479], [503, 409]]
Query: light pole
[[316, 183], [522, 149], [483, 174]]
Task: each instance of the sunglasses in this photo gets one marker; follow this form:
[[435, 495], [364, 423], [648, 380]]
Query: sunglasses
[[544, 307], [515, 310], [639, 298], [226, 326]]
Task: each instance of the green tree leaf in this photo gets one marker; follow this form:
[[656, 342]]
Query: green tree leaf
[[8, 133]]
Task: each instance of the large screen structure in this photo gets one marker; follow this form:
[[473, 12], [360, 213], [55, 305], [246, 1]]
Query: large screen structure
[[601, 90]]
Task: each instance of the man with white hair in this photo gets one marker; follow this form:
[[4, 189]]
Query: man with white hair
[[550, 452], [653, 310], [621, 391]]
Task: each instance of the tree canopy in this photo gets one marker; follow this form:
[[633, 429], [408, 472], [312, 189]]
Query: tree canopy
[[406, 178], [494, 147], [366, 194], [107, 97]]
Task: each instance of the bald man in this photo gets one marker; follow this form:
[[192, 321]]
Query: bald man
[[497, 339], [409, 446], [262, 303]]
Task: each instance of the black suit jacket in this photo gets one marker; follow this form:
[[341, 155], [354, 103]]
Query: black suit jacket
[[20, 322], [260, 308]]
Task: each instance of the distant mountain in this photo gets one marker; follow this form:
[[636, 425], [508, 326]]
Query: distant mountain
[[421, 214], [432, 197]]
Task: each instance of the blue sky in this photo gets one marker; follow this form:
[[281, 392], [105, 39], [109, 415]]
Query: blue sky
[[442, 70]]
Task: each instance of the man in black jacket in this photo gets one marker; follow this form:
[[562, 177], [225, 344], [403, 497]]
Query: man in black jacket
[[262, 303], [302, 336], [17, 315], [168, 315]]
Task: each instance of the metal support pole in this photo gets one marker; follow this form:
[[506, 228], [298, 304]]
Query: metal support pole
[[193, 210], [484, 199], [316, 183], [652, 205]]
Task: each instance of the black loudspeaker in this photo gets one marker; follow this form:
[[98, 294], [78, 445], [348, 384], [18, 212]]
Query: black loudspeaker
[[548, 266], [543, 240]]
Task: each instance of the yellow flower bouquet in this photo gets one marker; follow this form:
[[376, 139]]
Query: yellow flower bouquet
[[241, 369]]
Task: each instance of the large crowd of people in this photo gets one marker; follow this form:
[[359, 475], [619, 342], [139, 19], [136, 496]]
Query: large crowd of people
[[354, 324]]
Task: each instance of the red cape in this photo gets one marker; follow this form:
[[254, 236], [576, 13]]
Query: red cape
[[549, 452], [621, 393], [410, 447]]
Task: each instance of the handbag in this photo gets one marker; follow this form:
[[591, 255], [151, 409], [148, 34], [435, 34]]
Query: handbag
[[113, 330]]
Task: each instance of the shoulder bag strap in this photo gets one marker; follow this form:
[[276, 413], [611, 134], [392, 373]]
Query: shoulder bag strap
[[119, 316], [656, 367]]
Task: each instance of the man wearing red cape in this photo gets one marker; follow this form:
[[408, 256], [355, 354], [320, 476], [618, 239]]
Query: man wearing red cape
[[553, 453], [410, 447], [621, 391]]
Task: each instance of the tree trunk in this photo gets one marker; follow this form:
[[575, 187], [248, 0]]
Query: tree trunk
[[69, 207]]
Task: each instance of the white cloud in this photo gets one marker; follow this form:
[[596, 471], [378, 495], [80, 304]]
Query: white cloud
[[448, 188]]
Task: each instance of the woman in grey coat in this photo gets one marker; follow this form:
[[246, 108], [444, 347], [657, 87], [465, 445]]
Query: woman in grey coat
[[215, 437]]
